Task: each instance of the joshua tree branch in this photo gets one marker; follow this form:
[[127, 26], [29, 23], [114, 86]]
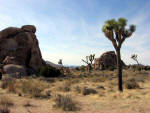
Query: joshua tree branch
[[85, 61]]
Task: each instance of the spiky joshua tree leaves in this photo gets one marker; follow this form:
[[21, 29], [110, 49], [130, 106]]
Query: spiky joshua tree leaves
[[116, 32]]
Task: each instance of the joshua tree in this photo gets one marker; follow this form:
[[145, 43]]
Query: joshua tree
[[60, 62], [91, 59], [116, 32], [134, 57]]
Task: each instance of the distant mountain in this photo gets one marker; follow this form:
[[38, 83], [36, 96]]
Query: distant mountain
[[71, 66], [52, 64], [56, 65]]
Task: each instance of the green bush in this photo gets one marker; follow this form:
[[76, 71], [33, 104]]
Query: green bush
[[49, 71]]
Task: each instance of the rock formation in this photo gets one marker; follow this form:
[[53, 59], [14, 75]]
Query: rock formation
[[19, 46], [106, 60]]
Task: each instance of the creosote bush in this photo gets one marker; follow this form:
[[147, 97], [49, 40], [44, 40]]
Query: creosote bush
[[49, 71], [65, 102]]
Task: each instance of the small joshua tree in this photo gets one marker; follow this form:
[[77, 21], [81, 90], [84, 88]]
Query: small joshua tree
[[91, 59], [116, 32], [134, 57], [60, 62]]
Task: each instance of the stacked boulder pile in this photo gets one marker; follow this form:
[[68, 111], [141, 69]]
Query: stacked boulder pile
[[106, 60], [19, 50]]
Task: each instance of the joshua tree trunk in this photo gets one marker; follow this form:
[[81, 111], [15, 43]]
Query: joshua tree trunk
[[137, 62], [119, 72]]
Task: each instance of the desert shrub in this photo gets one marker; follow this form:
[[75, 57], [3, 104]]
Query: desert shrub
[[139, 68], [100, 87], [49, 80], [65, 86], [49, 71], [88, 91], [71, 81], [131, 84], [27, 104], [98, 79], [78, 89], [65, 102], [32, 87], [140, 79], [111, 68], [146, 68], [46, 94], [83, 68], [7, 82], [4, 109], [77, 68], [6, 101]]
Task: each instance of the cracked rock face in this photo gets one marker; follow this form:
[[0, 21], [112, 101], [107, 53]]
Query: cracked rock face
[[20, 46]]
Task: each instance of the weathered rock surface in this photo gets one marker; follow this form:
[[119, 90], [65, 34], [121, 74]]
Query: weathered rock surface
[[15, 70], [20, 46], [9, 60], [106, 60]]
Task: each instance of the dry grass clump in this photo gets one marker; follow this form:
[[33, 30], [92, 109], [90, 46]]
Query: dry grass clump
[[132, 84], [78, 89], [32, 87], [88, 91], [27, 103], [65, 102], [8, 83], [46, 93], [65, 86], [5, 103], [4, 109], [49, 80], [100, 87], [98, 79]]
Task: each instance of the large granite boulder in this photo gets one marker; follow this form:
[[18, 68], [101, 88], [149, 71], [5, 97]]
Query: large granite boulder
[[20, 46], [14, 70], [106, 60]]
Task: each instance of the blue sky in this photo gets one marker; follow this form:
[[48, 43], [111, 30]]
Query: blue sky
[[71, 29]]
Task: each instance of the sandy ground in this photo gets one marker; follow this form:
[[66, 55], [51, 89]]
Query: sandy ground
[[88, 104], [130, 101]]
